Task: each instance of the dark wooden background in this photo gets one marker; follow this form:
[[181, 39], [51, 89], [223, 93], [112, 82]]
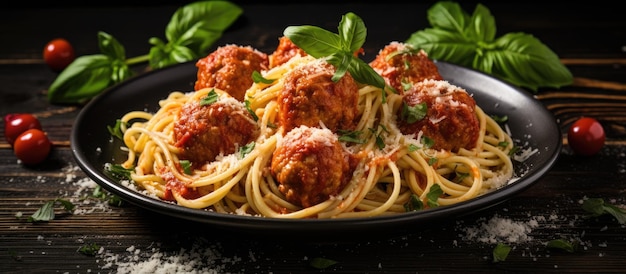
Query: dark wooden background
[[590, 38]]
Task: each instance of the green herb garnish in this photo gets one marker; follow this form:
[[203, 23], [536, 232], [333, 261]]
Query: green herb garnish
[[118, 171], [380, 142], [562, 245], [46, 212], [186, 166], [254, 116], [257, 77], [433, 195], [191, 31], [432, 161], [414, 204], [597, 207], [210, 98], [116, 130], [243, 151], [500, 119], [412, 114], [100, 193], [322, 263], [350, 136], [338, 49], [500, 252], [470, 40], [89, 249], [428, 142]]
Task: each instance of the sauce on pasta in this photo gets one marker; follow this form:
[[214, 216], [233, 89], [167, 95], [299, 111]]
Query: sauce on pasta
[[304, 146]]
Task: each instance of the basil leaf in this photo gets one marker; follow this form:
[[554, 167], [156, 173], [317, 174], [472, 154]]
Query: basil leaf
[[257, 77], [363, 73], [322, 263], [500, 252], [447, 16], [341, 61], [562, 245], [469, 41], [523, 60], [414, 204], [352, 31], [315, 41], [89, 249], [482, 25], [444, 45], [245, 150], [46, 212], [191, 31], [433, 195], [84, 78], [119, 172], [186, 165], [412, 114], [110, 47], [210, 98]]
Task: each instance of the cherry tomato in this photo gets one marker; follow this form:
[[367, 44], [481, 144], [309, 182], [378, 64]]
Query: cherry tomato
[[32, 146], [16, 123], [58, 54], [586, 136]]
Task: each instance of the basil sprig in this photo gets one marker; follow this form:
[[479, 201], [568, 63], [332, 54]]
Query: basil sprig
[[190, 33], [338, 49], [470, 41]]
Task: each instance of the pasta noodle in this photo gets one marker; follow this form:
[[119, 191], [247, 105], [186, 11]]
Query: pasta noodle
[[394, 169]]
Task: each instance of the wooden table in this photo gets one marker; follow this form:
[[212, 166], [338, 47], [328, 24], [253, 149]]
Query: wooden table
[[590, 39]]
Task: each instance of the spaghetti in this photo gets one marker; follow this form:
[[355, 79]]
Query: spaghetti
[[391, 171]]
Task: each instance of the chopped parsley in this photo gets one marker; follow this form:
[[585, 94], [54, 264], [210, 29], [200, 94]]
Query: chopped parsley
[[186, 166], [597, 207], [433, 195], [246, 149], [562, 245], [428, 142], [500, 252], [412, 114], [46, 212], [254, 116], [118, 171], [380, 142], [100, 193], [116, 130], [322, 263], [210, 98], [258, 78], [350, 136], [414, 204], [89, 249]]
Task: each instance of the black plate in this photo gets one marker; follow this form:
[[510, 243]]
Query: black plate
[[530, 122]]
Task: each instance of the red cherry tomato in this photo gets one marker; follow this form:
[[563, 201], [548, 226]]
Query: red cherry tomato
[[586, 136], [58, 54], [32, 146], [16, 123]]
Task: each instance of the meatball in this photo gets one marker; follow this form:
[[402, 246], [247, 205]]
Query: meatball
[[450, 121], [310, 96], [311, 166], [285, 51], [205, 131], [230, 68], [400, 63]]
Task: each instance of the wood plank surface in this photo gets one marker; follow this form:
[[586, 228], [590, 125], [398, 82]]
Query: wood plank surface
[[590, 39]]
